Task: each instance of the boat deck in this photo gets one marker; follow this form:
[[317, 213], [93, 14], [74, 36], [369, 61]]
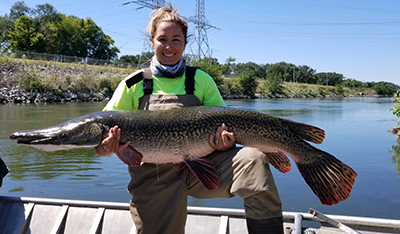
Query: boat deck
[[38, 215]]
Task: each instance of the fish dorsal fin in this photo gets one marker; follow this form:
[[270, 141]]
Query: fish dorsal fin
[[205, 171], [306, 132], [130, 156], [279, 160]]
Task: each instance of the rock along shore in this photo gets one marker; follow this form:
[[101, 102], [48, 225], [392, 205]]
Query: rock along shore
[[19, 95], [12, 73]]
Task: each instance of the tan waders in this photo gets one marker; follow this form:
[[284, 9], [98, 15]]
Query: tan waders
[[159, 192]]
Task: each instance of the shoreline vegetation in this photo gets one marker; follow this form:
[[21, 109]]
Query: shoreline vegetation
[[37, 81]]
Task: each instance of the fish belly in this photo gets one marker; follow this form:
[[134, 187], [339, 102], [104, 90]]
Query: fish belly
[[177, 155]]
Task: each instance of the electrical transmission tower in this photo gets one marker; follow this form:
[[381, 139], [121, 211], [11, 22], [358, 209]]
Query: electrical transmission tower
[[152, 4], [201, 26], [145, 57]]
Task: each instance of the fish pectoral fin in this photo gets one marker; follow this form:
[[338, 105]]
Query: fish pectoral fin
[[306, 132], [279, 160], [329, 178], [130, 156], [205, 171]]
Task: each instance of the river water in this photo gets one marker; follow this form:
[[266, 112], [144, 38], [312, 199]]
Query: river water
[[356, 133]]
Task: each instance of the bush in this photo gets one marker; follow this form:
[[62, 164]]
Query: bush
[[248, 82], [35, 80], [273, 84], [384, 88], [396, 108]]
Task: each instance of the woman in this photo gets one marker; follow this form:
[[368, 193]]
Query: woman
[[159, 192]]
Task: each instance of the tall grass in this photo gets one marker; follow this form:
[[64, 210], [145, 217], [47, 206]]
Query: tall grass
[[53, 76]]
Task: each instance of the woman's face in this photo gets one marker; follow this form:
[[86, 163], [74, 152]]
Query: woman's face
[[168, 43]]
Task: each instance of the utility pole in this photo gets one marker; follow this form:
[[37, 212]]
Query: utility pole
[[327, 79], [294, 75]]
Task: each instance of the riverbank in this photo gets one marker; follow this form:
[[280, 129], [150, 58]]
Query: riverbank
[[31, 81], [26, 81]]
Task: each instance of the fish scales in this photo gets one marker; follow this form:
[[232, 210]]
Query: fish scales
[[182, 135]]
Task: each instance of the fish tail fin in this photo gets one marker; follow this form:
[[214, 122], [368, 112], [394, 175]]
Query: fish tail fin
[[329, 178], [205, 171], [307, 132], [279, 160]]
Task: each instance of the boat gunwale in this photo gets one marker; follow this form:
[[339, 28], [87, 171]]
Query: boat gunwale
[[287, 216]]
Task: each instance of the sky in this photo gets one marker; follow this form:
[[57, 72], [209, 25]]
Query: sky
[[359, 39]]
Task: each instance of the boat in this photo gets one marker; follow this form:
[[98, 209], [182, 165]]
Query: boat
[[54, 216]]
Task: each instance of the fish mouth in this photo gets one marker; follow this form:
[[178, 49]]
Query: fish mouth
[[25, 139]]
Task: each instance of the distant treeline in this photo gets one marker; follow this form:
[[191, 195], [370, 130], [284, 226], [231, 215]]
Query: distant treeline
[[269, 76]]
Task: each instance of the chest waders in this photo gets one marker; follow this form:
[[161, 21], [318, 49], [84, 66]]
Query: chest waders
[[151, 101], [159, 192]]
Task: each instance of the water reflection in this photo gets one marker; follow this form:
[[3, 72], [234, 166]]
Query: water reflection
[[396, 156], [27, 163]]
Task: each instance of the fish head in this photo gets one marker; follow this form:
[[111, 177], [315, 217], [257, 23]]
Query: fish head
[[76, 133]]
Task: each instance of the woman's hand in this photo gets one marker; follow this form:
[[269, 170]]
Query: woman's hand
[[223, 139], [110, 144]]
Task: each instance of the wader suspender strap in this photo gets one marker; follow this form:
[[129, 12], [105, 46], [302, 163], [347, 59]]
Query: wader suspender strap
[[145, 75], [189, 79]]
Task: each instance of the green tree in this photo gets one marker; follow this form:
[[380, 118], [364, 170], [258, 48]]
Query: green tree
[[228, 67], [43, 29], [25, 36], [259, 70], [396, 156], [396, 108], [128, 59], [284, 70], [273, 84], [19, 9], [352, 83], [329, 78], [45, 13], [385, 88], [68, 37], [7, 22], [247, 81], [211, 67], [99, 45], [3, 32], [304, 74]]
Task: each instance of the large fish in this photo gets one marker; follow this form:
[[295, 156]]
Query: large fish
[[182, 135]]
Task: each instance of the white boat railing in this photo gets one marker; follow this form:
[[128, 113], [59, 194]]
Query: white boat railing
[[225, 215]]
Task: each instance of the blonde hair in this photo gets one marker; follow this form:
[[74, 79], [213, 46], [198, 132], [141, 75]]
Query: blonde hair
[[165, 14]]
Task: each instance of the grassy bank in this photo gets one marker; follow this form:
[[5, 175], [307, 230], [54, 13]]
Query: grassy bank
[[311, 90], [56, 77]]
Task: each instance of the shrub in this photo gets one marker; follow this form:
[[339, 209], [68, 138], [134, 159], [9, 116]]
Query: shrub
[[273, 84], [396, 108]]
